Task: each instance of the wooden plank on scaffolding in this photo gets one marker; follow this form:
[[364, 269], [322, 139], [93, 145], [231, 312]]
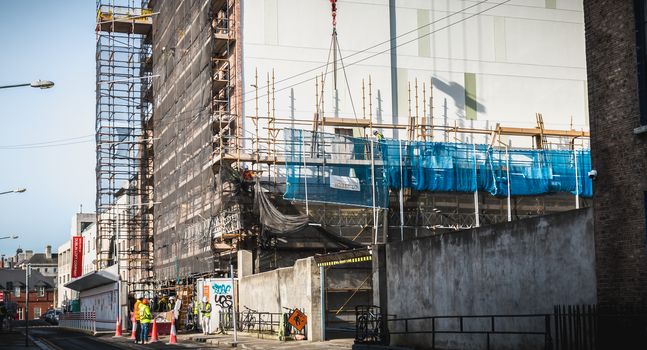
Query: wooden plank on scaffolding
[[332, 121]]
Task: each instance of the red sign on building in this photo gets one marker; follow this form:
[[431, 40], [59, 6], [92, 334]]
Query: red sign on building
[[77, 256]]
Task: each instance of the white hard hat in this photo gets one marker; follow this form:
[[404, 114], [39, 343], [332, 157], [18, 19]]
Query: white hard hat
[[138, 295], [204, 299]]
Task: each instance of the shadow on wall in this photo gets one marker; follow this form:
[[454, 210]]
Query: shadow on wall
[[457, 92]]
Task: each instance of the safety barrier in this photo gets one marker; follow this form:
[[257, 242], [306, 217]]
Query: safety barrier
[[86, 321]]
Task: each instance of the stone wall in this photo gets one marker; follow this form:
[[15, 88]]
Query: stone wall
[[522, 267], [289, 287]]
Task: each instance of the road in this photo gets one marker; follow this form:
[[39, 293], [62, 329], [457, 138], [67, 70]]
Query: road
[[59, 339]]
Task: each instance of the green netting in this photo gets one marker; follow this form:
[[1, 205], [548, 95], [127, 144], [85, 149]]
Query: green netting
[[337, 169]]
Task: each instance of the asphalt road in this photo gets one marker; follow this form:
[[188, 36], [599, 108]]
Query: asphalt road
[[59, 339]]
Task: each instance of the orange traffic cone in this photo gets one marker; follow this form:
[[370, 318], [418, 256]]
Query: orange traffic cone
[[118, 329], [133, 336], [154, 332], [172, 337]]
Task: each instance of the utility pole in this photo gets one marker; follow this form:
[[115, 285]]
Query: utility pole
[[233, 311], [27, 273]]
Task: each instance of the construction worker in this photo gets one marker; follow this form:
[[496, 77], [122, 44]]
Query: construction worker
[[175, 305], [378, 135], [137, 325], [206, 316], [146, 318], [196, 310]]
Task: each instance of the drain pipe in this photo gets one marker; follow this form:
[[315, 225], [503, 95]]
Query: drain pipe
[[322, 301]]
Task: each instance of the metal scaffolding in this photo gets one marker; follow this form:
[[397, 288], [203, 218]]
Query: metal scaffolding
[[123, 105]]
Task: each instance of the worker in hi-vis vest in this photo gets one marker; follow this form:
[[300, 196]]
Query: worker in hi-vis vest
[[206, 316], [145, 318], [137, 324], [195, 313]]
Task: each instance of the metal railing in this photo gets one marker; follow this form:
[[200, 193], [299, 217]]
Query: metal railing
[[252, 321], [429, 325], [590, 327], [79, 320], [372, 328]]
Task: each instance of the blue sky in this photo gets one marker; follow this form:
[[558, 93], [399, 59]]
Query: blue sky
[[54, 41]]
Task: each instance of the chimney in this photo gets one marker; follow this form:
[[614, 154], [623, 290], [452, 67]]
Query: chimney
[[48, 252], [28, 254]]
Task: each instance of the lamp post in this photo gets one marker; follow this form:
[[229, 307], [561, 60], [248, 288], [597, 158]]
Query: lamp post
[[27, 273], [17, 190], [40, 84]]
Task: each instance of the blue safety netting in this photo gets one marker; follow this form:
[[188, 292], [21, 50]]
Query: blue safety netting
[[337, 169]]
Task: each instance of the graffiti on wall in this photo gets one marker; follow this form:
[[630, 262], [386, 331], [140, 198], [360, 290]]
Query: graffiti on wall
[[223, 294]]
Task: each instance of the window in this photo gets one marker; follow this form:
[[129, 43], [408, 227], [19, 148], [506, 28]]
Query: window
[[84, 225], [344, 132], [20, 314], [45, 269], [9, 285], [16, 292], [36, 312], [41, 291], [640, 12]]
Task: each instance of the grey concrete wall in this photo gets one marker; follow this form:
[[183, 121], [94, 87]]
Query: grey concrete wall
[[290, 287], [525, 266]]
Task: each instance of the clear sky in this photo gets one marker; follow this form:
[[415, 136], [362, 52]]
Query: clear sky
[[51, 40]]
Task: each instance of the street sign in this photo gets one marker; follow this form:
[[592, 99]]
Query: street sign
[[298, 319]]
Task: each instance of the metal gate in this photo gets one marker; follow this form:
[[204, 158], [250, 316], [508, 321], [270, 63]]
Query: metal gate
[[347, 282]]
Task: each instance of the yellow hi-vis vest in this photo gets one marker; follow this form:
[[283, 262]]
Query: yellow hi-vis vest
[[206, 310], [145, 315]]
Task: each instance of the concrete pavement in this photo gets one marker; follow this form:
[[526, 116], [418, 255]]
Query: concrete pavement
[[245, 341], [55, 338], [14, 341]]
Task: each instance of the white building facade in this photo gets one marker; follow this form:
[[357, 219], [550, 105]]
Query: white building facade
[[489, 62], [82, 224]]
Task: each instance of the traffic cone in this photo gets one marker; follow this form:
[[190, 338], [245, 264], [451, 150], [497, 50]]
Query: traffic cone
[[154, 332], [118, 329], [133, 336], [172, 337]]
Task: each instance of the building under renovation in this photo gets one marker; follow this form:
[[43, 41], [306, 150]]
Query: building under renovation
[[291, 128]]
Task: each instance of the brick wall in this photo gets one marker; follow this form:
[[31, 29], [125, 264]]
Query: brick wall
[[619, 156], [44, 303]]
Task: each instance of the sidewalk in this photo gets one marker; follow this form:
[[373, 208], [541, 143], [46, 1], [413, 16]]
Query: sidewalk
[[252, 342], [14, 341], [245, 341]]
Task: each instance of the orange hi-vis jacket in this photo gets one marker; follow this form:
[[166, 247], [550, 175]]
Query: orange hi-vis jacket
[[136, 310]]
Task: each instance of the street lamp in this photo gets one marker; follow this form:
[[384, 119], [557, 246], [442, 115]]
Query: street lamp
[[27, 275], [17, 190], [41, 84], [7, 237]]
